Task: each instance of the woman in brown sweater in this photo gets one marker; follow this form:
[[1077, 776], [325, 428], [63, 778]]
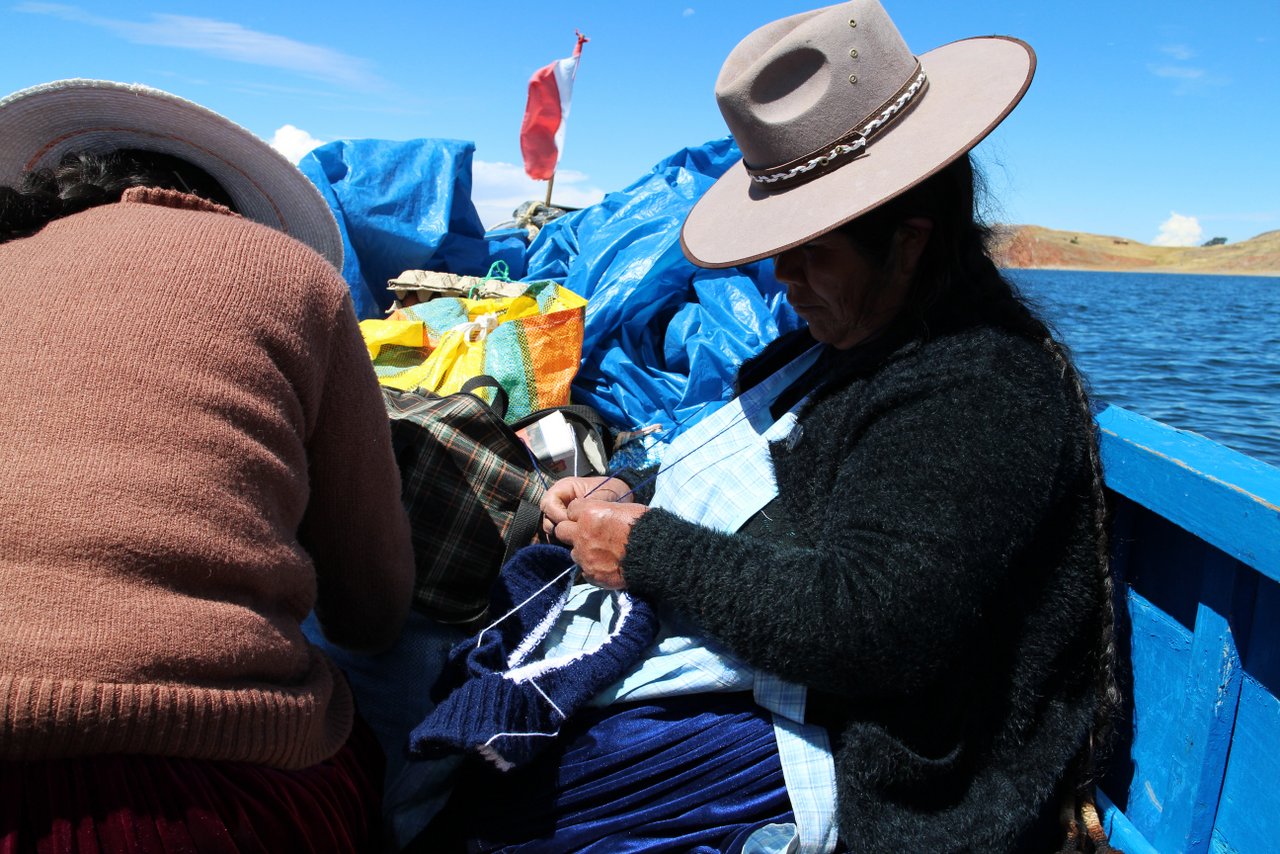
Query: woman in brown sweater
[[194, 456]]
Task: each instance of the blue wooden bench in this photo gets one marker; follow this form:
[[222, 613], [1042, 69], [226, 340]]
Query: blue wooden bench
[[1197, 544]]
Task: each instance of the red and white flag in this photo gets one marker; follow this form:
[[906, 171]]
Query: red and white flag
[[542, 134]]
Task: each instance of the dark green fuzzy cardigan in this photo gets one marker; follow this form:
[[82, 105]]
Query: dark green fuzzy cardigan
[[928, 569]]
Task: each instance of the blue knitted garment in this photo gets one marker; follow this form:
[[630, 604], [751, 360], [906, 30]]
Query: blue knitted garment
[[496, 698]]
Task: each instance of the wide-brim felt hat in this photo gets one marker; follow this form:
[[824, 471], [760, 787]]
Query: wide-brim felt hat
[[835, 116], [42, 124]]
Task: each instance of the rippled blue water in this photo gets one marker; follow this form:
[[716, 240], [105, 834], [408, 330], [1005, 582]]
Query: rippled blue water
[[1198, 352]]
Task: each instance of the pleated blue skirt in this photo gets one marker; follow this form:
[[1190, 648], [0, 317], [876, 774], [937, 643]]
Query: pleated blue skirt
[[695, 773]]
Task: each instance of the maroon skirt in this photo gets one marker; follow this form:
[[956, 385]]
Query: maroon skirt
[[146, 804]]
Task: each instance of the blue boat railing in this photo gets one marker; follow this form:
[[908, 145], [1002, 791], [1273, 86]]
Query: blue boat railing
[[1196, 542]]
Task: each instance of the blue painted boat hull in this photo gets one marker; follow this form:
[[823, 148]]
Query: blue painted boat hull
[[1197, 546]]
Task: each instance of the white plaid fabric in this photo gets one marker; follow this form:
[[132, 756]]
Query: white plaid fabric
[[807, 765], [719, 474]]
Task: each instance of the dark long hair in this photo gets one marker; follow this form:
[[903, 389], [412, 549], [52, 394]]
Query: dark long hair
[[956, 284], [82, 181]]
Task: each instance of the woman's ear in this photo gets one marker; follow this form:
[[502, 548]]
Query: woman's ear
[[909, 241]]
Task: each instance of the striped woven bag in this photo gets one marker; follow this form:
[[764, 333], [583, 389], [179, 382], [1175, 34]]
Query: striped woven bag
[[531, 343]]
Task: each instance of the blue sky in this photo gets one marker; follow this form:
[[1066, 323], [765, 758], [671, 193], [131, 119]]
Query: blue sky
[[1148, 118]]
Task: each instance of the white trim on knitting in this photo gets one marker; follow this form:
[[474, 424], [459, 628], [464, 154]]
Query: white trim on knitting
[[533, 670], [535, 638]]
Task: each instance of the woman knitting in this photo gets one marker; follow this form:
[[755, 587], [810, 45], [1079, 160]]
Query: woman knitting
[[889, 547], [195, 454]]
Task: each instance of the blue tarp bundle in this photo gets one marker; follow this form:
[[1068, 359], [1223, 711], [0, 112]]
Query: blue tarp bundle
[[404, 206], [663, 338]]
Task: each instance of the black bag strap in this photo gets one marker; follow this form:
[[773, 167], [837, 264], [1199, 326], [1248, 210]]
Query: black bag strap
[[524, 527], [479, 381], [585, 413]]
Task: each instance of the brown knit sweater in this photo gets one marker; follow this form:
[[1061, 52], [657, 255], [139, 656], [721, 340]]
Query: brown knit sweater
[[193, 454]]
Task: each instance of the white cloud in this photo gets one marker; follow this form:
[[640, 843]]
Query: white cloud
[[1179, 230], [497, 189], [688, 11], [225, 40], [293, 142], [1188, 77], [1177, 72]]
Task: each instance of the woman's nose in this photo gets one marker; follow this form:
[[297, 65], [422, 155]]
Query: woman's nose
[[786, 267]]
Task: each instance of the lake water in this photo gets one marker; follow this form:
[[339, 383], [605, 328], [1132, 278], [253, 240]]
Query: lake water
[[1201, 353]]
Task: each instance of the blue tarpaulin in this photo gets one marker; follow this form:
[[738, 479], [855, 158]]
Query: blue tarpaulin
[[404, 206], [663, 338]]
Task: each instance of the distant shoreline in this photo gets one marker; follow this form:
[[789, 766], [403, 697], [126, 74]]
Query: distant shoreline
[[1164, 270], [1033, 247]]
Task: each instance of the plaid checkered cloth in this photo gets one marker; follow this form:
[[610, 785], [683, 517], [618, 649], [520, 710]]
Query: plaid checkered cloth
[[468, 484]]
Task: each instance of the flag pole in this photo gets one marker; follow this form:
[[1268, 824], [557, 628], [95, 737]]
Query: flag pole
[[551, 182]]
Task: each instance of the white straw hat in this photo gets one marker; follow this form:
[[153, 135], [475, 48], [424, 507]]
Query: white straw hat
[[42, 124], [834, 116]]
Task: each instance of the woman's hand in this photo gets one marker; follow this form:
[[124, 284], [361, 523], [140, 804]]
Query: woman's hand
[[597, 532], [555, 502]]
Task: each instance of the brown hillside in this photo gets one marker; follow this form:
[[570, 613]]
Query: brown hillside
[[1030, 246]]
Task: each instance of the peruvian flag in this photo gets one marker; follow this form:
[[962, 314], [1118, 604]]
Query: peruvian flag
[[542, 134]]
